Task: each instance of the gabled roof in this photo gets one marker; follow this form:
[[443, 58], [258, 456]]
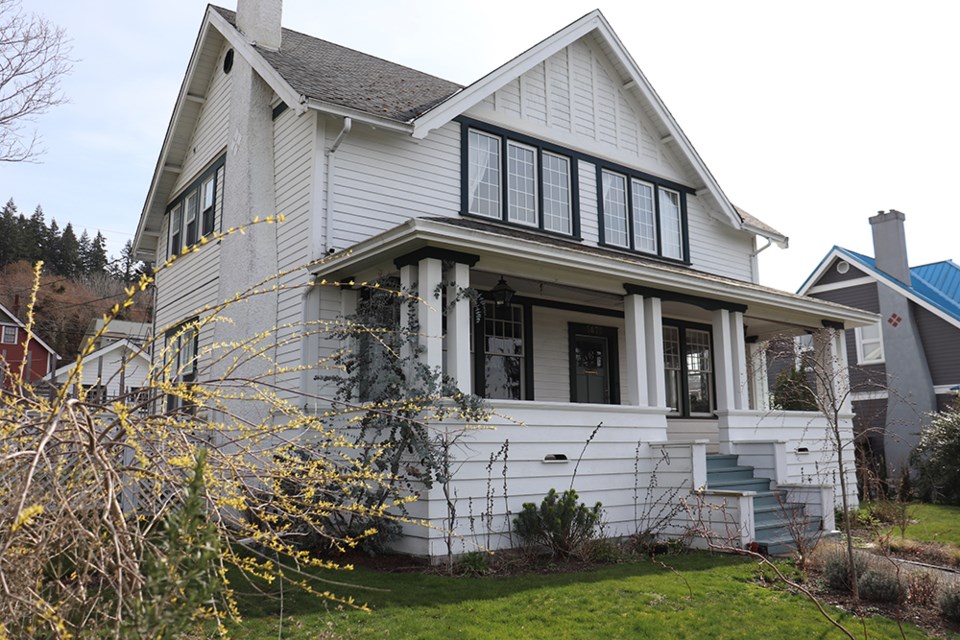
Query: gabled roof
[[310, 73], [93, 355], [935, 286], [33, 335]]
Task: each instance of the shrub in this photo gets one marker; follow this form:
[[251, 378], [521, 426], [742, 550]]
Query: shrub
[[935, 458], [792, 391], [475, 563], [950, 603], [561, 524], [879, 585], [836, 572], [922, 588]]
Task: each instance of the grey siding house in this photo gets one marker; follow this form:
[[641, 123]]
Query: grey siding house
[[907, 365]]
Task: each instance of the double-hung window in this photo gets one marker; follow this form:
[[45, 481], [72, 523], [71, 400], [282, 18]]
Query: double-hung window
[[192, 214], [520, 181], [9, 335], [181, 363], [500, 352], [688, 367], [641, 215], [869, 344]]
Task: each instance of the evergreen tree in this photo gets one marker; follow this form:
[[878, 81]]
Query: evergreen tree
[[68, 259], [35, 247], [97, 257], [9, 233], [52, 254], [83, 260]]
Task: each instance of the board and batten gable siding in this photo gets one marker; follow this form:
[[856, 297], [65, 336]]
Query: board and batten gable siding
[[573, 100], [293, 155]]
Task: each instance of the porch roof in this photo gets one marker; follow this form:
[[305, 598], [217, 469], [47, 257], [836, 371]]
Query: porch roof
[[508, 250]]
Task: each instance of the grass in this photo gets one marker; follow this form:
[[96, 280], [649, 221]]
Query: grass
[[632, 600], [934, 523]]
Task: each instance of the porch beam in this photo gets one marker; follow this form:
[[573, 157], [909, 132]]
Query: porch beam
[[430, 313], [458, 327], [634, 326]]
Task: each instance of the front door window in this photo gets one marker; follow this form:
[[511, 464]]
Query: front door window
[[593, 367]]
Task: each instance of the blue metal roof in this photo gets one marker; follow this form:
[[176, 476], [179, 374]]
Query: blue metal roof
[[938, 283]]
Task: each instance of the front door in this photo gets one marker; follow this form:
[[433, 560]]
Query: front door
[[593, 366]]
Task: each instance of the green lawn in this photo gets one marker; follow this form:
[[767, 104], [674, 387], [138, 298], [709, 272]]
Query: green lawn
[[934, 523], [635, 600]]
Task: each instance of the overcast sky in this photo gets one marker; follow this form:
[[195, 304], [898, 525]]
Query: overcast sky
[[812, 116]]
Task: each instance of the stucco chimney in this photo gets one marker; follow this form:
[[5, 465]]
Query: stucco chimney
[[259, 20], [890, 244]]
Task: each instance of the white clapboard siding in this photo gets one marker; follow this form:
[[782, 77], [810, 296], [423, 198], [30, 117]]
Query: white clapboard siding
[[210, 134], [551, 351], [293, 170], [715, 247], [383, 179], [108, 367]]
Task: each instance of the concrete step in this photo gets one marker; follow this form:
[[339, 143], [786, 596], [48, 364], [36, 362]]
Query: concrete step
[[719, 461], [729, 473], [768, 498], [754, 484]]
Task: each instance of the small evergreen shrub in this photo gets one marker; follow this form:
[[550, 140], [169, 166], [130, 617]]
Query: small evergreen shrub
[[878, 585], [950, 603], [836, 573], [474, 563], [562, 523]]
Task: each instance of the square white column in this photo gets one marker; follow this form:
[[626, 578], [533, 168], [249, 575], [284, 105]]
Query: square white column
[[636, 350], [656, 378], [723, 361], [757, 374], [741, 393], [458, 328], [408, 282], [430, 313]]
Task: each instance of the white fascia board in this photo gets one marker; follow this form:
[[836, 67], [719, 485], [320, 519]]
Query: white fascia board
[[132, 348], [33, 334], [837, 286], [781, 241], [469, 96], [357, 116], [691, 283], [819, 271], [241, 46]]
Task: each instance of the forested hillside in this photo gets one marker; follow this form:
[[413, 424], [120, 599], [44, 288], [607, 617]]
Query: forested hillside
[[79, 283]]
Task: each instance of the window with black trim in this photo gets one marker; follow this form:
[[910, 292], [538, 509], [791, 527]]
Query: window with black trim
[[640, 214], [501, 352], [688, 365], [519, 180], [192, 214], [181, 362]]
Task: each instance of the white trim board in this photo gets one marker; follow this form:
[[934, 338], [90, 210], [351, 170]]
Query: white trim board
[[836, 286]]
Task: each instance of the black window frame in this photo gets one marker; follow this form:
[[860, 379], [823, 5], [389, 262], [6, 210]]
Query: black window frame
[[204, 219], [173, 368], [479, 348], [658, 184], [541, 146], [684, 391], [613, 355]]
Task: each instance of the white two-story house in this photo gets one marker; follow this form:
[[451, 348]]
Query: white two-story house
[[635, 296]]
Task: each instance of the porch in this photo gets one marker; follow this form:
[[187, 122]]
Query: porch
[[613, 374]]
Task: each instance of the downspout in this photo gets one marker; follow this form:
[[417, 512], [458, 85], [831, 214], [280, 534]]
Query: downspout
[[328, 192], [761, 249], [754, 263]]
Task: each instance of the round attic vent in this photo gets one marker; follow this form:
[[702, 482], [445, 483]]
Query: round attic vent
[[228, 61], [843, 266]]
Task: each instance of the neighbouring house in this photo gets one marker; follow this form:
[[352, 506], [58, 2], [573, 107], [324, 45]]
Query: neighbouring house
[[907, 364], [560, 177], [36, 360], [118, 366]]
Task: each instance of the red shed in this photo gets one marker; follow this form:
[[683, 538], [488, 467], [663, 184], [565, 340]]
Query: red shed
[[41, 359]]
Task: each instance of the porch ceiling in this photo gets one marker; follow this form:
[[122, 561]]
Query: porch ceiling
[[556, 261]]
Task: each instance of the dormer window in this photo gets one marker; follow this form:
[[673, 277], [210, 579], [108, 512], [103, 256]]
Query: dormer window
[[519, 180]]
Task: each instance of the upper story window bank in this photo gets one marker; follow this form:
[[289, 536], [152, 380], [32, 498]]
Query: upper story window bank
[[193, 212], [527, 182]]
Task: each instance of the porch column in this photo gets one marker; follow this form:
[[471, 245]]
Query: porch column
[[656, 379], [430, 313], [833, 384], [458, 328], [408, 282], [759, 385], [723, 360], [634, 325], [740, 392]]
